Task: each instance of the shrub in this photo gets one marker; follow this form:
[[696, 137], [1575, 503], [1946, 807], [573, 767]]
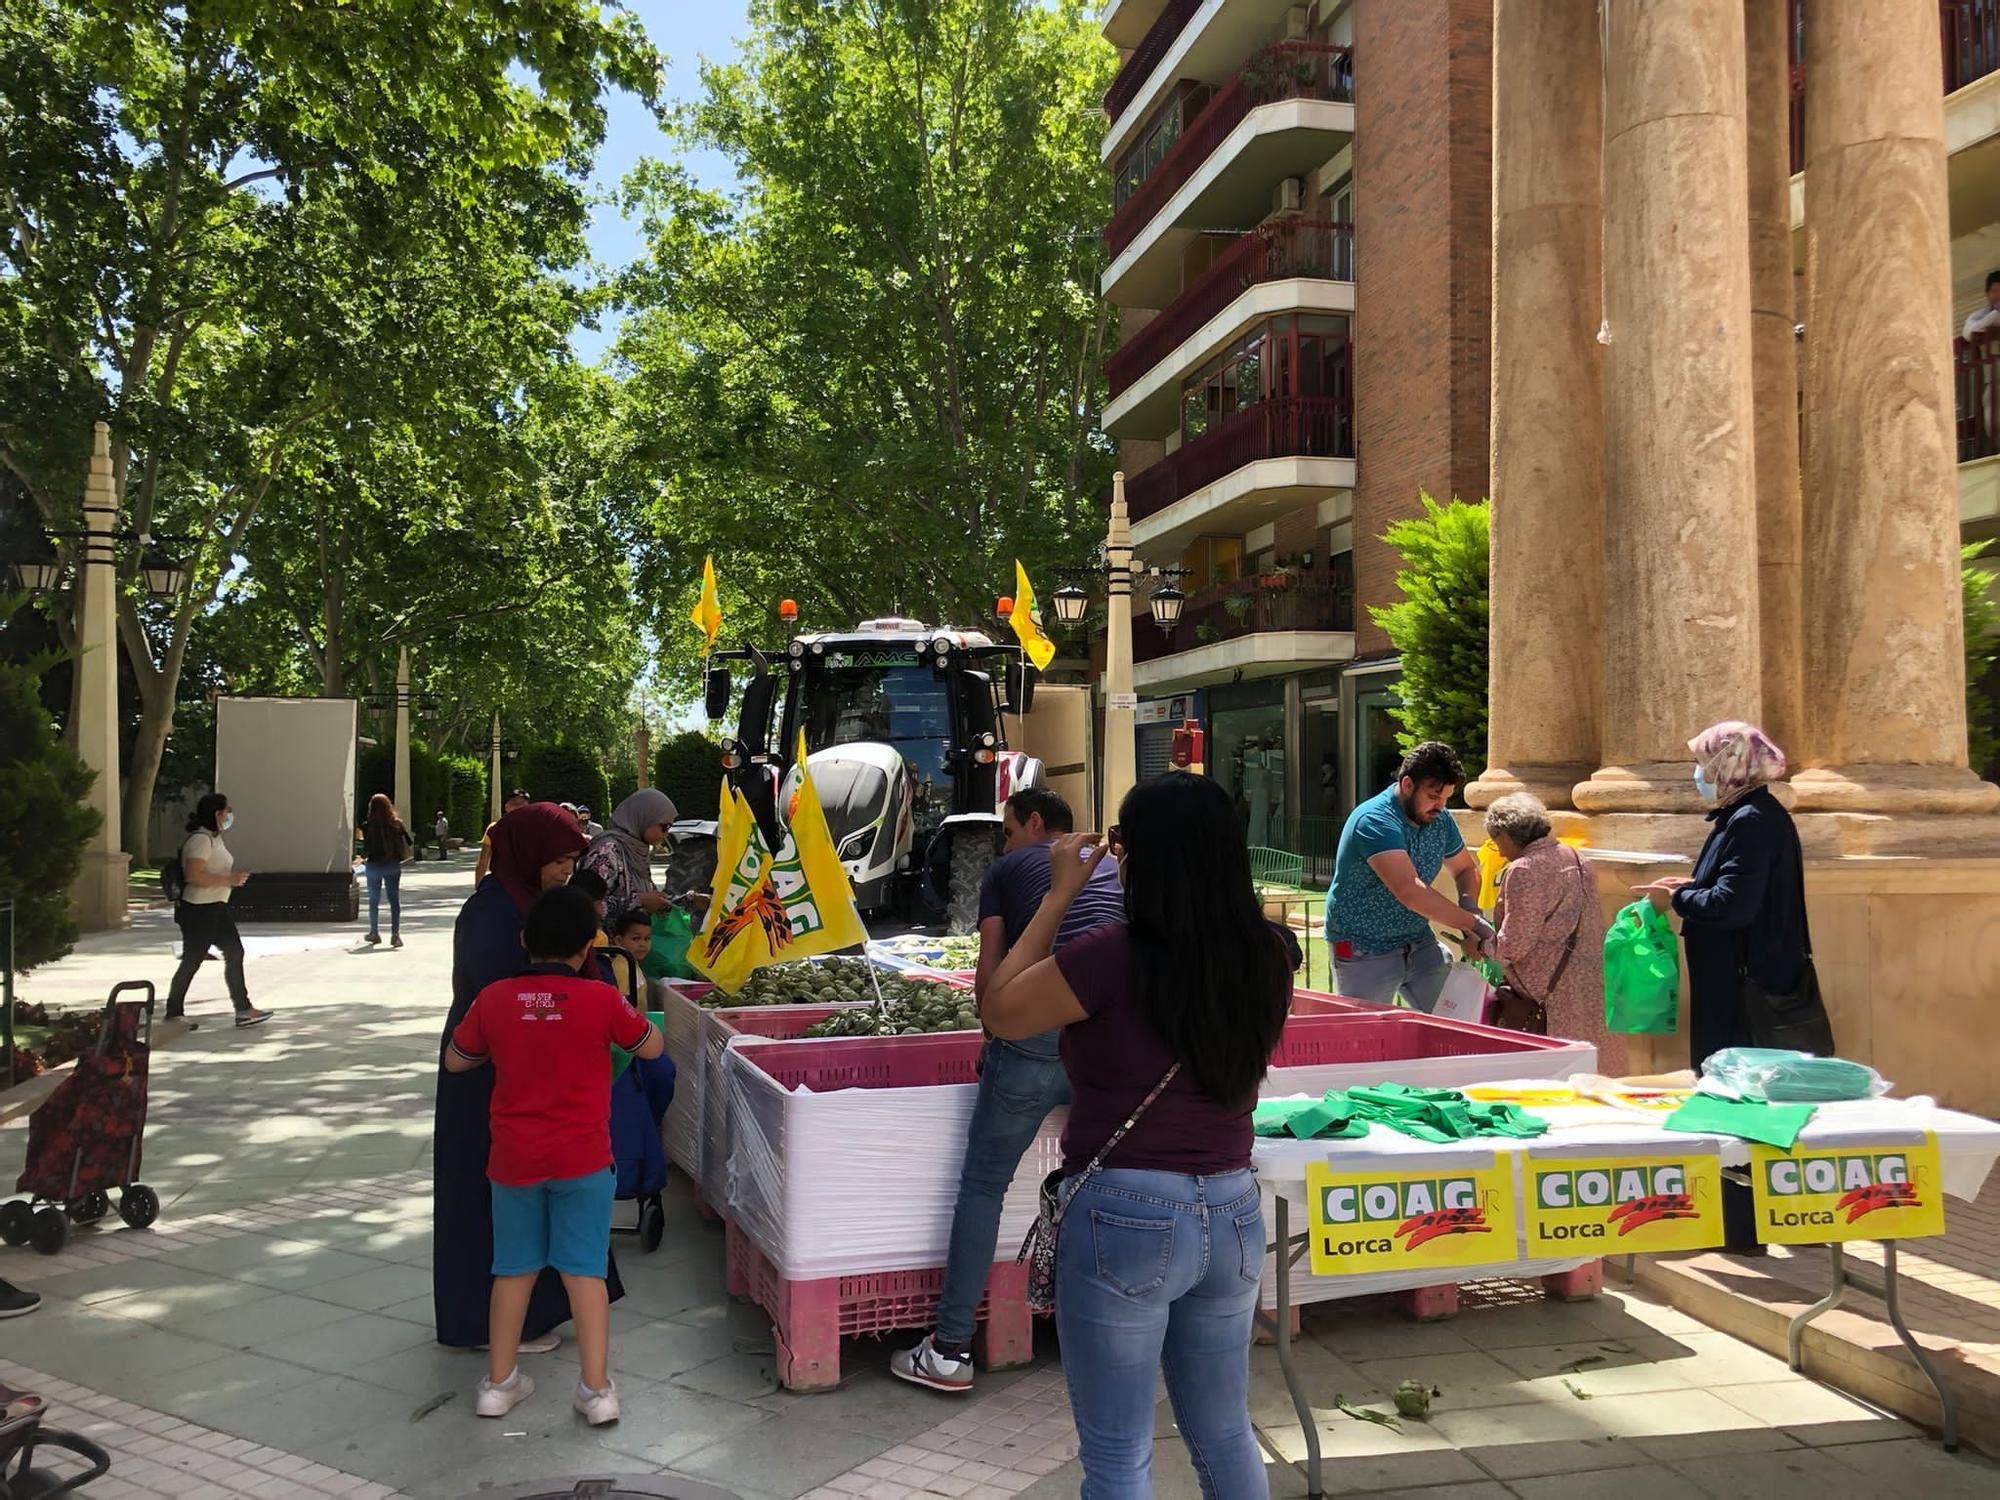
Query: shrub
[[1439, 627], [465, 798], [565, 773], [44, 821], [1982, 658], [688, 768]]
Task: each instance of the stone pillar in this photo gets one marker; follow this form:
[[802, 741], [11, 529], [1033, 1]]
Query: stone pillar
[[403, 788], [100, 890], [1680, 643], [1547, 484], [642, 752], [1885, 660], [1120, 703], [494, 801], [1774, 367]]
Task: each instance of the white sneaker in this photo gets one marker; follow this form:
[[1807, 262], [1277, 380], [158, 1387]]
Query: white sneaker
[[927, 1365], [599, 1408], [498, 1400]]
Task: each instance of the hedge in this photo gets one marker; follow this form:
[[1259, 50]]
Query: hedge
[[688, 768], [565, 773]]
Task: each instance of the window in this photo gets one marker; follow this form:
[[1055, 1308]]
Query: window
[[1212, 560], [1156, 139], [1302, 355]]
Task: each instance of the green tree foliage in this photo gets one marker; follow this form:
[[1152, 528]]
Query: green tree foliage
[[44, 823], [1439, 627], [871, 378], [465, 794], [565, 772], [1982, 658], [688, 768], [277, 246]]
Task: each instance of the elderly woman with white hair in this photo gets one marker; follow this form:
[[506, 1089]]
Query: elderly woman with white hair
[[1551, 938]]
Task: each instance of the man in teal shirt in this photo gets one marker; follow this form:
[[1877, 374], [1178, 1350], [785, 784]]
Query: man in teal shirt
[[1381, 905]]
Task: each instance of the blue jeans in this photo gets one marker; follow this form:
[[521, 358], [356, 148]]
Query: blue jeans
[[385, 873], [1159, 1270], [1019, 1083], [1418, 971]]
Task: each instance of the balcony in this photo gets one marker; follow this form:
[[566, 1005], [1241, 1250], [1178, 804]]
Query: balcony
[[1969, 31], [1288, 265], [1255, 627], [1145, 57], [1281, 427], [1290, 71], [1975, 364]]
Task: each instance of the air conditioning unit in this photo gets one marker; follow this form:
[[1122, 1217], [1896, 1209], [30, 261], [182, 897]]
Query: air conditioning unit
[[1289, 197]]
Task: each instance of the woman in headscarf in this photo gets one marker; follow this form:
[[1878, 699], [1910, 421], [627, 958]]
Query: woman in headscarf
[[1743, 911], [534, 847], [623, 854]]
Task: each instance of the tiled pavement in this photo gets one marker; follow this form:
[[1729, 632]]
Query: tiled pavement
[[271, 1335]]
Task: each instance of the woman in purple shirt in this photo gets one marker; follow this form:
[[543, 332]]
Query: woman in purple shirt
[[1162, 1247]]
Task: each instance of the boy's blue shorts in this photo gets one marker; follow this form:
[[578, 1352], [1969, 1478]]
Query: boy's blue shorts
[[564, 1222]]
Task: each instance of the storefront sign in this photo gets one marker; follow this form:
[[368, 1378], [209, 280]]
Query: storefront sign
[[1173, 710], [1622, 1205], [1812, 1194], [1381, 1219]]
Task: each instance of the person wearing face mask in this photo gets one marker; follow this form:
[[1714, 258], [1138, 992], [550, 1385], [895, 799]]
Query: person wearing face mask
[[1743, 910], [202, 912], [535, 848]]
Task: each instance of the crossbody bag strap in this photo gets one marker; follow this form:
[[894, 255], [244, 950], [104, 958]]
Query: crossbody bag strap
[[1097, 1161]]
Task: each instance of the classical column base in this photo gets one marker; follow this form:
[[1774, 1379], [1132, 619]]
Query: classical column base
[[101, 894], [1550, 783], [1894, 789], [1644, 786]]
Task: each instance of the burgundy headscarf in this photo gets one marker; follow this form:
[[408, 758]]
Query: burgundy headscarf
[[528, 838]]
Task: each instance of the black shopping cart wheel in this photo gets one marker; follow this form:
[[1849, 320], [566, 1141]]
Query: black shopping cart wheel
[[91, 1207], [652, 1225], [139, 1205], [17, 1222], [51, 1231]]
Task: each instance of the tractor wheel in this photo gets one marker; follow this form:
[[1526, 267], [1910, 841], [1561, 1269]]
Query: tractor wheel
[[691, 867], [971, 853]]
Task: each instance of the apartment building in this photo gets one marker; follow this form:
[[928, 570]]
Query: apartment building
[[1300, 254]]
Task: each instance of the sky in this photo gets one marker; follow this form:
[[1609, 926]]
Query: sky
[[686, 31]]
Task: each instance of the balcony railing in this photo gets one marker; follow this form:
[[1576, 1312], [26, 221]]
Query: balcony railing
[[1968, 29], [1248, 607], [1281, 427], [1270, 252], [1290, 70], [1975, 368], [1145, 57]]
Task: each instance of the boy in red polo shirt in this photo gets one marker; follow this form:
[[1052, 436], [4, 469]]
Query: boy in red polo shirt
[[548, 1034]]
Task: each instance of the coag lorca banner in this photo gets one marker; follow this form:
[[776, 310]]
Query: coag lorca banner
[[766, 906]]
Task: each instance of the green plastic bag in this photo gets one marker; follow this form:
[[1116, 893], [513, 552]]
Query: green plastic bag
[[1641, 973], [673, 935]]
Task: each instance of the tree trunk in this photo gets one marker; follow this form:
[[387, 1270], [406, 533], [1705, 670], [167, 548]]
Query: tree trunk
[[156, 721]]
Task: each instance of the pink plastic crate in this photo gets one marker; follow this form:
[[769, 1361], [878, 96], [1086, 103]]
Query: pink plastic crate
[[1377, 1035], [1320, 1003], [869, 1062], [812, 1317], [777, 1022]]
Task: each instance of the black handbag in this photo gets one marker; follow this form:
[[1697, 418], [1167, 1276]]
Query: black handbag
[[1793, 1020]]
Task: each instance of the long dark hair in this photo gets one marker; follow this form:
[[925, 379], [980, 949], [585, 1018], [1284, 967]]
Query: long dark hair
[[207, 814], [382, 814], [1211, 974]]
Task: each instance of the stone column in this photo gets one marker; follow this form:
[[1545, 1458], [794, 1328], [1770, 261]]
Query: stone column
[[1680, 641], [1120, 703], [403, 787], [493, 749], [100, 894], [1774, 367], [1547, 484], [1885, 660]]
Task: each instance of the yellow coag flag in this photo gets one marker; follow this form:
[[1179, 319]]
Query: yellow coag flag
[[1041, 650], [707, 616], [769, 907]]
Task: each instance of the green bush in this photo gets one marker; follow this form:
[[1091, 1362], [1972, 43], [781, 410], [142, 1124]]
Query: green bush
[[688, 768], [1439, 627], [565, 773], [1982, 659], [44, 821], [455, 782], [465, 799]]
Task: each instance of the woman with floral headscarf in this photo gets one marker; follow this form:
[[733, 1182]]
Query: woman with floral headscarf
[[534, 847], [1743, 911]]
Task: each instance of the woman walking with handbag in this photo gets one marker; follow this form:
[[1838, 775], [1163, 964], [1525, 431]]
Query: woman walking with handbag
[[1743, 922], [1168, 1025], [1551, 938], [385, 844], [209, 874]]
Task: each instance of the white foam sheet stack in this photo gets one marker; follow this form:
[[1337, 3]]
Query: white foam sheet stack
[[860, 1180], [712, 1039], [1561, 1062]]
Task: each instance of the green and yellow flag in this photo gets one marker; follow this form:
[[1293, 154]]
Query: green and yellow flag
[[707, 616], [768, 907], [1027, 626]]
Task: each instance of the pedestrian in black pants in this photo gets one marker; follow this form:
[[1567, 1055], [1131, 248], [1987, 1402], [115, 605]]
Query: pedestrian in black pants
[[209, 874]]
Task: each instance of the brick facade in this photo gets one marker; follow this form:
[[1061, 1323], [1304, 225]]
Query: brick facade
[[1423, 96]]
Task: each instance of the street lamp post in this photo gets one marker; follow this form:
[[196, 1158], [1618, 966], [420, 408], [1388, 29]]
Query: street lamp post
[[101, 886], [493, 753], [403, 738]]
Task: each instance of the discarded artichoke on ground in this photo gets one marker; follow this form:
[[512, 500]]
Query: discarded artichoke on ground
[[1413, 1398]]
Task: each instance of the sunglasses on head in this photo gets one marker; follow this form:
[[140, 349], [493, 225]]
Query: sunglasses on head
[[1114, 839]]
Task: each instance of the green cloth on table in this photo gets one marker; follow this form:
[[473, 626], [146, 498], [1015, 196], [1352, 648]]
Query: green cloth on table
[[1440, 1116], [1746, 1119]]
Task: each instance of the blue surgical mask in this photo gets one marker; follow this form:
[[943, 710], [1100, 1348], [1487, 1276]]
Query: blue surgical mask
[[1704, 788], [228, 818]]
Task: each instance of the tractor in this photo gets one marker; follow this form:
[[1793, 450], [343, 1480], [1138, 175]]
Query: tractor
[[905, 730]]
